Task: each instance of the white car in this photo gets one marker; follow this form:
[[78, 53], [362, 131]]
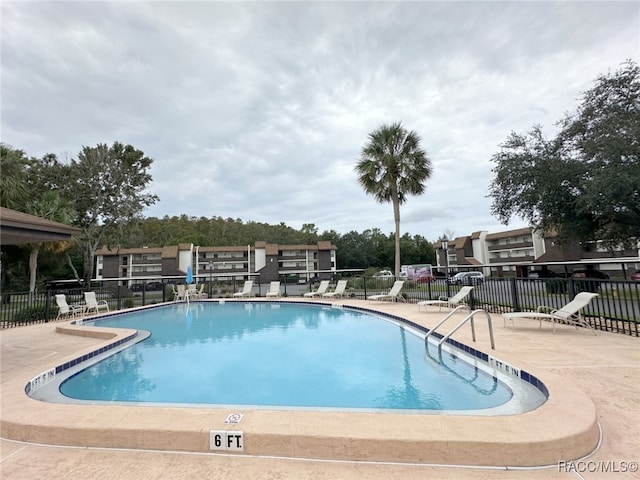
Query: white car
[[384, 274], [467, 278]]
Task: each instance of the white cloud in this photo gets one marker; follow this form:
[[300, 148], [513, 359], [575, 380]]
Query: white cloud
[[259, 110]]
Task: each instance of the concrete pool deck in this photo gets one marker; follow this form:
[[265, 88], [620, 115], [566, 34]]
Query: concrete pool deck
[[594, 382]]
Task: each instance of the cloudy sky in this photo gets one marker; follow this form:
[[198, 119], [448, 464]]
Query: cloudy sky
[[259, 110]]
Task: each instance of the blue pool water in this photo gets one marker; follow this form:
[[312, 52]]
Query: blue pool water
[[279, 354]]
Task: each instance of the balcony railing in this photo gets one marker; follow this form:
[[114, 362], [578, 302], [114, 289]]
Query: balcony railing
[[510, 246]]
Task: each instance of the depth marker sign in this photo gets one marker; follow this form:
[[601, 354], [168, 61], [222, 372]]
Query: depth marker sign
[[234, 418]]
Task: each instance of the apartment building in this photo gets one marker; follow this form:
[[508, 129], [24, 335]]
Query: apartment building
[[517, 252], [267, 261]]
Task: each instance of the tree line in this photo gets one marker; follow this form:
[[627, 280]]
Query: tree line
[[367, 249]]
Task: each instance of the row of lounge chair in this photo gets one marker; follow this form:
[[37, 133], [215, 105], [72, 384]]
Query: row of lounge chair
[[76, 310], [569, 313], [274, 290]]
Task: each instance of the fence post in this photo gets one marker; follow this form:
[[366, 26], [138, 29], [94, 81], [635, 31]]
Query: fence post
[[572, 288], [47, 305], [515, 301], [119, 297]]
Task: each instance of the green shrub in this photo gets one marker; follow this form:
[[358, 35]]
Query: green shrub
[[33, 314]]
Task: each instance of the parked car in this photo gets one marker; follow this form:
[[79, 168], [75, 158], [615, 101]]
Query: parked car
[[589, 279], [73, 289], [425, 278], [542, 274], [467, 278], [154, 286], [589, 273], [384, 274]]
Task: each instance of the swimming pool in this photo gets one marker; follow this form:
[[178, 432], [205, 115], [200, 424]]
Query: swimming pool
[[281, 355], [491, 436]]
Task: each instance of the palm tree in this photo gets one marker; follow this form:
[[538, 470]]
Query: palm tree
[[392, 166], [51, 206], [14, 165]]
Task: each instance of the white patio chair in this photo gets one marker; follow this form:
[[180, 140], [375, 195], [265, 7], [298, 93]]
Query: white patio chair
[[274, 289], [452, 302], [322, 288], [341, 286], [92, 304], [246, 290], [65, 310], [570, 313], [393, 295]]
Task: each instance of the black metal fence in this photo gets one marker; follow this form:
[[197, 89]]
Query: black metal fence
[[616, 309]]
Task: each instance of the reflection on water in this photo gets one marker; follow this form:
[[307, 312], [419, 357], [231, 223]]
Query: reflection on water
[[408, 394], [478, 380]]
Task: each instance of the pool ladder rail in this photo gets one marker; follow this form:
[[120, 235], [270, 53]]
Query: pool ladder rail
[[468, 318]]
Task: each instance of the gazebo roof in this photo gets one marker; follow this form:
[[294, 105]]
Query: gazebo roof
[[19, 228]]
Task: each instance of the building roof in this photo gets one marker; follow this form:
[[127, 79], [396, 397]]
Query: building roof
[[510, 233], [17, 228], [241, 248], [129, 251], [452, 243], [170, 251]]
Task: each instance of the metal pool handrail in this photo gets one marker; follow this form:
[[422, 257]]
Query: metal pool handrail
[[465, 320]]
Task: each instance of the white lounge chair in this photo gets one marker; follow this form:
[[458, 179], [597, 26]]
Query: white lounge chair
[[452, 302], [192, 291], [393, 295], [341, 286], [180, 293], [92, 304], [198, 292], [322, 288], [246, 290], [570, 313], [65, 310], [274, 289]]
